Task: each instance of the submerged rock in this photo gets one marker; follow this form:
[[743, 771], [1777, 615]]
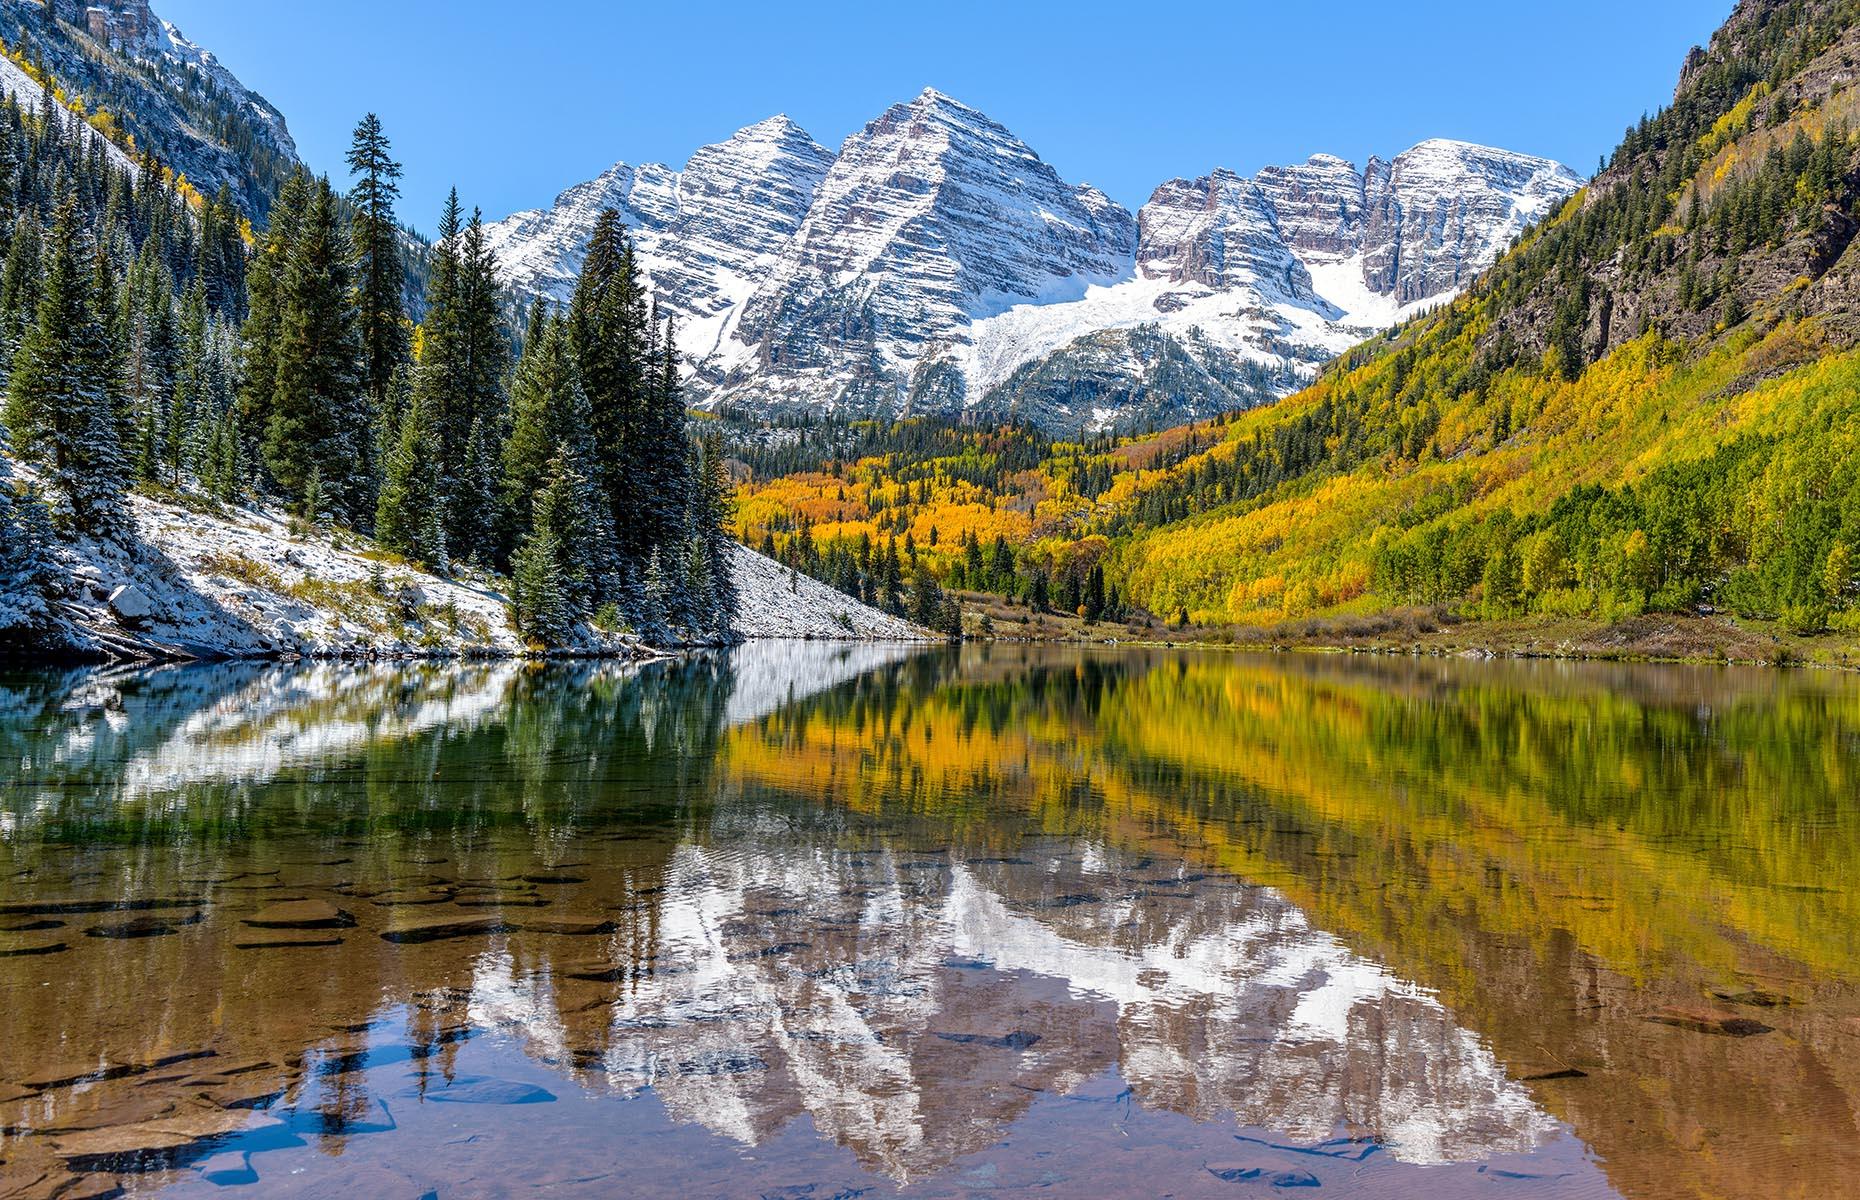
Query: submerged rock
[[142, 927], [472, 1089], [434, 929], [164, 1136], [301, 914], [569, 926], [1020, 1039], [1709, 1020], [286, 939]]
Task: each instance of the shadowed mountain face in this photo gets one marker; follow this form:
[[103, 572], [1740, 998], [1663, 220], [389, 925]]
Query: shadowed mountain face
[[838, 918]]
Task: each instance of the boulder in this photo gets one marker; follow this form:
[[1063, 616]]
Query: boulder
[[131, 605]]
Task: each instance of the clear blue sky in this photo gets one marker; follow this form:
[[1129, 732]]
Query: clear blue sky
[[514, 101]]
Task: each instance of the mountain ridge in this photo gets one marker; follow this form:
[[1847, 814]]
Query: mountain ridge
[[935, 264]]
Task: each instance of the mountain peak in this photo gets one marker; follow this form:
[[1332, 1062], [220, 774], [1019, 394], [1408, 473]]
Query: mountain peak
[[935, 255], [780, 127]]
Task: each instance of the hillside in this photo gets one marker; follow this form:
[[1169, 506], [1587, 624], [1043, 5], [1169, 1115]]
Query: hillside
[[207, 580], [1649, 404]]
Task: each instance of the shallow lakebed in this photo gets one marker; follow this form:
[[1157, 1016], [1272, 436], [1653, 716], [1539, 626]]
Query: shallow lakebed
[[807, 920]]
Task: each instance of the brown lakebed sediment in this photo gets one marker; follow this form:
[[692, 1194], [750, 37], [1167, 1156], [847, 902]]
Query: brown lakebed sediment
[[870, 949]]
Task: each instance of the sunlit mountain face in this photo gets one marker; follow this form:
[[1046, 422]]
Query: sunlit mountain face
[[815, 921]]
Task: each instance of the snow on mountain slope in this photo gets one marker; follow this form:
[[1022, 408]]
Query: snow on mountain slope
[[706, 235], [174, 97], [936, 264], [18, 85], [932, 217], [1443, 210]]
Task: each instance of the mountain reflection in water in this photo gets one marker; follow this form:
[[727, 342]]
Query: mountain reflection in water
[[805, 920]]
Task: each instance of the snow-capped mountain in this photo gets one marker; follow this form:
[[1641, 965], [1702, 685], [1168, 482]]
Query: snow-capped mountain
[[937, 264], [708, 234]]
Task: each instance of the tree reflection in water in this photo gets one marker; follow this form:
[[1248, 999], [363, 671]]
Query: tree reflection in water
[[862, 916]]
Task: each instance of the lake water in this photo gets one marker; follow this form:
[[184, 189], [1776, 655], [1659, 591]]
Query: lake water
[[813, 921]]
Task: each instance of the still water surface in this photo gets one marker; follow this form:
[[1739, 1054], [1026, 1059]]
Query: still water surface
[[810, 921]]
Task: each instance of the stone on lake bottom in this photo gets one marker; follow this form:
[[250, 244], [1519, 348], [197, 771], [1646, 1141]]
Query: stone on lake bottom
[[286, 939], [98, 1069], [569, 926], [1020, 1039], [474, 1089], [410, 897], [142, 927], [254, 1092], [1756, 997], [38, 908], [433, 929], [1265, 1171], [1708, 1020], [301, 914], [164, 1135]]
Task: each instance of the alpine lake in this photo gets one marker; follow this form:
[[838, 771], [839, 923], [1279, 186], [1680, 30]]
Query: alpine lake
[[816, 921]]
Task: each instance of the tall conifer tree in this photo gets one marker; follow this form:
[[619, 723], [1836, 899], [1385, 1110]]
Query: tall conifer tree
[[378, 270], [319, 419], [62, 403]]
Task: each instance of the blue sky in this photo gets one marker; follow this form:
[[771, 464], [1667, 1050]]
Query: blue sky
[[515, 101]]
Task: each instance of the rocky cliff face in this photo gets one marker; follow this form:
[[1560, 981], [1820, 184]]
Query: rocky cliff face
[[173, 96], [707, 234], [932, 217], [1443, 210], [937, 264]]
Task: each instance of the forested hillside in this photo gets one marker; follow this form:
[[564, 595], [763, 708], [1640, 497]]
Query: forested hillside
[[149, 340], [1650, 403]]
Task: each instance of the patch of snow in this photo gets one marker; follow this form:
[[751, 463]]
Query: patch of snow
[[774, 602]]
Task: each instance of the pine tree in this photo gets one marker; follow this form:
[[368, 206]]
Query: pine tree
[[713, 509], [378, 267], [464, 357], [536, 588], [549, 410], [264, 303], [550, 581], [663, 460], [62, 404], [409, 514], [609, 327], [319, 419], [25, 564], [19, 286], [148, 334]]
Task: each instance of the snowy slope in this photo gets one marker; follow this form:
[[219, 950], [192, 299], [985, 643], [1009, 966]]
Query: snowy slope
[[936, 264], [240, 582], [28, 95], [932, 217], [774, 602]]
